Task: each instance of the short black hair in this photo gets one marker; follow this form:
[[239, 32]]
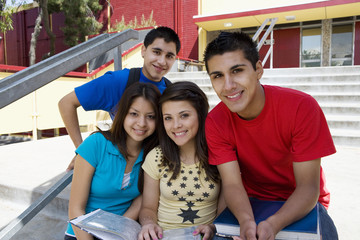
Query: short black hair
[[166, 33], [229, 42]]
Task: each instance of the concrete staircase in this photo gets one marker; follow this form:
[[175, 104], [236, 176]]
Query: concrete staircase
[[337, 90], [28, 170]]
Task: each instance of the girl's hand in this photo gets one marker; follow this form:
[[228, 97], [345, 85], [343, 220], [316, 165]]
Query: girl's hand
[[150, 231], [207, 231]]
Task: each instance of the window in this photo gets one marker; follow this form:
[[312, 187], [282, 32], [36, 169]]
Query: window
[[311, 47], [342, 45]]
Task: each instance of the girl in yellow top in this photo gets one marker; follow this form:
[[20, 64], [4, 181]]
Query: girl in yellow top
[[181, 189]]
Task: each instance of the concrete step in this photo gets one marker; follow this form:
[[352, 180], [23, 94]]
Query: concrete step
[[42, 226], [345, 137], [318, 71], [322, 86], [350, 73], [335, 96], [275, 79], [343, 121], [28, 170]]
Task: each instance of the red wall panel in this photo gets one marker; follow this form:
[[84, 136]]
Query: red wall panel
[[287, 48], [188, 29], [357, 44], [175, 14], [18, 40]]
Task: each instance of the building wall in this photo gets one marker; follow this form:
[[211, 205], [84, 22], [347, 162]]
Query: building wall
[[212, 7], [175, 14], [357, 44], [287, 48], [18, 40]]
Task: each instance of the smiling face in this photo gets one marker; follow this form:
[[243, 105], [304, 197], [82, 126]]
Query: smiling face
[[180, 122], [158, 58], [236, 83], [139, 122]]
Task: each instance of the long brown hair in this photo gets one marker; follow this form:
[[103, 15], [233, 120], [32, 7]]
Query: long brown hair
[[117, 134], [190, 92]]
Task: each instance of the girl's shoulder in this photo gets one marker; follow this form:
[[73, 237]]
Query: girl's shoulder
[[155, 155], [156, 152]]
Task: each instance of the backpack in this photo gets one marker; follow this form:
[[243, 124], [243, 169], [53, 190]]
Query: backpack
[[134, 76]]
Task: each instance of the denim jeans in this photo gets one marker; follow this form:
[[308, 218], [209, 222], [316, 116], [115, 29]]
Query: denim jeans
[[327, 226]]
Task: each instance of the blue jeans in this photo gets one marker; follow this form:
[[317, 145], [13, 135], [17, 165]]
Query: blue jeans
[[327, 226]]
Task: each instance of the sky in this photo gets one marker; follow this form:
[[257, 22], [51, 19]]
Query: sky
[[17, 2]]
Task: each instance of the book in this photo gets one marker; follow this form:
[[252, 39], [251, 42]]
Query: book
[[306, 228], [109, 226]]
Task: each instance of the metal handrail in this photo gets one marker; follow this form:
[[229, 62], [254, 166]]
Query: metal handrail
[[28, 80], [269, 30], [15, 225]]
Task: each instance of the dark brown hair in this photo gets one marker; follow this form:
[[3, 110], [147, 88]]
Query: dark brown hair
[[190, 92], [117, 134]]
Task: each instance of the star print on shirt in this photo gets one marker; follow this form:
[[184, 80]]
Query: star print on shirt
[[190, 193], [205, 194], [182, 199], [189, 215]]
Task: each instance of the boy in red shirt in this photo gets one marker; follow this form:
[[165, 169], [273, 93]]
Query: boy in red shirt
[[267, 141]]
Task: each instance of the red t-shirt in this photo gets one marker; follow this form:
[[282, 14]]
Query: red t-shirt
[[290, 128]]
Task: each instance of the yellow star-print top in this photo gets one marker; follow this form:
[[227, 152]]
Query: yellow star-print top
[[191, 199]]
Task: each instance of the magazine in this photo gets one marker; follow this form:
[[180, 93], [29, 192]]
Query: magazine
[[110, 226]]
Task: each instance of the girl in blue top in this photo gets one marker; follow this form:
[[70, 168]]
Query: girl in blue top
[[107, 166]]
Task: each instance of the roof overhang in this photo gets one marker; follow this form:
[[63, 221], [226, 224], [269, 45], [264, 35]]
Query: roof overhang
[[288, 14]]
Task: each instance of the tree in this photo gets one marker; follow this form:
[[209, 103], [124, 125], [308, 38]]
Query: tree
[[79, 22], [5, 16]]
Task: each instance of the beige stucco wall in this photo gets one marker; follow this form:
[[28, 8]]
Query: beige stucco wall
[[214, 7], [42, 104]]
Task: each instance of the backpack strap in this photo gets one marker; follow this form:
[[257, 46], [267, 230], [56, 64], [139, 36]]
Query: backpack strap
[[167, 82], [134, 76]]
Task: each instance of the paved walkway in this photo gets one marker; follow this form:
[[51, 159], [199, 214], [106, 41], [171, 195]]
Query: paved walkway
[[36, 165]]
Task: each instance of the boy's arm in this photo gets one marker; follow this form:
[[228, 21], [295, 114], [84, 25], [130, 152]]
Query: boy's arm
[[301, 201], [237, 199], [68, 110]]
